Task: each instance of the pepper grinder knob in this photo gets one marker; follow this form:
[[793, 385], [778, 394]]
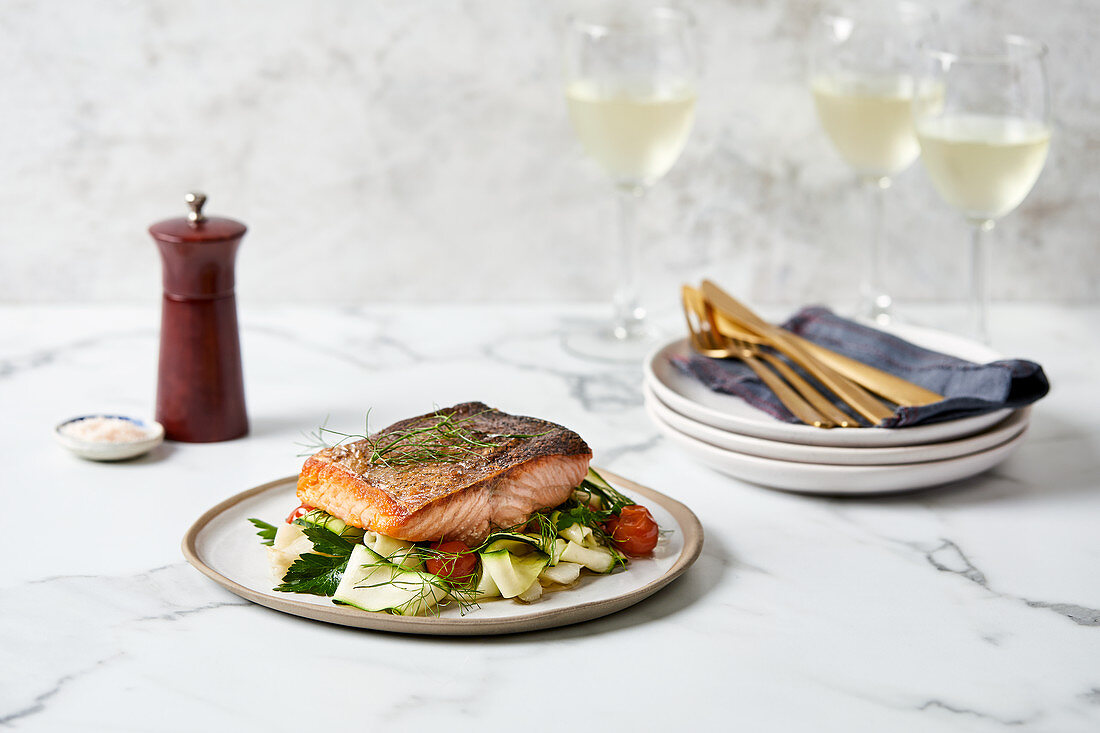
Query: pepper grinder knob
[[195, 202]]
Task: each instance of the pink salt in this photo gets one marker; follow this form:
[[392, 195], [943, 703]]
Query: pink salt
[[104, 430]]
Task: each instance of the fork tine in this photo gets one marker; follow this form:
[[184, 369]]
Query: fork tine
[[687, 297], [851, 393], [703, 339], [793, 401], [804, 388], [706, 340]]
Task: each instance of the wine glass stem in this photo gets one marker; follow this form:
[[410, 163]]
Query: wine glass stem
[[877, 304], [979, 279], [628, 314]]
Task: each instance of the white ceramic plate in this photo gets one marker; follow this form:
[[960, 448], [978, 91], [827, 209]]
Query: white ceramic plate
[[999, 433], [830, 479], [691, 398], [223, 545]]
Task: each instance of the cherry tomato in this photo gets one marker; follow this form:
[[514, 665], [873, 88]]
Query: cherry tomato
[[633, 531], [298, 513], [456, 562]]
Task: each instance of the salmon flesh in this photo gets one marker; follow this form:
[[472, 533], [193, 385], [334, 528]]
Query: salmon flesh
[[414, 481]]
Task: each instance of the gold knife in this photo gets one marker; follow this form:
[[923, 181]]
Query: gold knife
[[897, 390], [851, 393]]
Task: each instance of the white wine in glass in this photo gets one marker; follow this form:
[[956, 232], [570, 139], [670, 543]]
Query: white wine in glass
[[984, 166], [630, 81], [985, 141], [862, 84], [635, 135], [869, 119]]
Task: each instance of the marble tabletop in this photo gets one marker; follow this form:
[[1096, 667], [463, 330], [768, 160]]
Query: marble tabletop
[[970, 607]]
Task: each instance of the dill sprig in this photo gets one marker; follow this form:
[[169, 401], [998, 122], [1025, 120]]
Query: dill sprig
[[460, 589], [547, 531], [438, 438], [610, 497], [424, 587], [318, 440]]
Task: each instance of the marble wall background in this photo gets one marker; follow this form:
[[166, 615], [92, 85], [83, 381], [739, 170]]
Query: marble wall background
[[420, 150]]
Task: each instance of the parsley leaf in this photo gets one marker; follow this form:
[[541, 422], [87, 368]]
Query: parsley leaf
[[576, 513], [325, 540], [317, 575], [267, 531]]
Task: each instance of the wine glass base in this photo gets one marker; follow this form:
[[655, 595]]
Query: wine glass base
[[613, 345], [877, 310]]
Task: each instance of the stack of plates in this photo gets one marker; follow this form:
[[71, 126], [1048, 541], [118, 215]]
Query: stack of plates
[[731, 436]]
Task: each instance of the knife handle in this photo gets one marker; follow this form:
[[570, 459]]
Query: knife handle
[[851, 393]]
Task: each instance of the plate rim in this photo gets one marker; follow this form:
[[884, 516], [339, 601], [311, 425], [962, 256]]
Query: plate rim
[[835, 472], [690, 526], [895, 455], [772, 429]]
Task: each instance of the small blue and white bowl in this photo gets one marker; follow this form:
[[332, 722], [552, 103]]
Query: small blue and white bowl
[[102, 450]]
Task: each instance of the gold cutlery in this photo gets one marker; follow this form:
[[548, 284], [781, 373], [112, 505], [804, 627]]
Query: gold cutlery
[[739, 346], [819, 401], [897, 390], [848, 391], [706, 342]]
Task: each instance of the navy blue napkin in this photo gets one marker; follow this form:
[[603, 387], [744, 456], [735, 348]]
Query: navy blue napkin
[[968, 388]]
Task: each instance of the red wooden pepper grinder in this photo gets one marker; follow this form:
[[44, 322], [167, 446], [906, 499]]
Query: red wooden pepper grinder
[[200, 387]]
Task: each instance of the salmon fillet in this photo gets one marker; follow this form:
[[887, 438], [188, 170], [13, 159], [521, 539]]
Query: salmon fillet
[[514, 467]]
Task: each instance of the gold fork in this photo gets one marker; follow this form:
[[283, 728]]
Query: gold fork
[[807, 390], [848, 391], [706, 342], [899, 391], [743, 343]]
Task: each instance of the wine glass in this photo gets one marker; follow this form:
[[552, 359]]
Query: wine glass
[[630, 76], [862, 84], [984, 132]]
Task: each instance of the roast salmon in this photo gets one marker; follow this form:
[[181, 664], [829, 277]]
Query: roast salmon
[[454, 474]]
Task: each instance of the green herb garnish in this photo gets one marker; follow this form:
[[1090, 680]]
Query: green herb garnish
[[460, 589], [325, 540], [318, 573], [611, 498], [547, 531], [438, 438], [267, 531], [422, 586]]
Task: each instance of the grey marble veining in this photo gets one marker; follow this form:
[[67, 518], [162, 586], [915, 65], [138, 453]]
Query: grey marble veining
[[420, 150], [971, 607]]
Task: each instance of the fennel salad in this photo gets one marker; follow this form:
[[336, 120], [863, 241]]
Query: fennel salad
[[595, 531]]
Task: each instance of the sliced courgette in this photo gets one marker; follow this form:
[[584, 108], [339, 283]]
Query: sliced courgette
[[399, 552], [556, 550], [515, 541], [532, 594], [486, 588], [580, 534], [610, 497], [371, 583], [563, 573], [323, 519], [596, 559], [513, 575]]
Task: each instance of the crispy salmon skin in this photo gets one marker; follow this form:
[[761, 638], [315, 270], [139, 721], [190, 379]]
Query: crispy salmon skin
[[492, 470]]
